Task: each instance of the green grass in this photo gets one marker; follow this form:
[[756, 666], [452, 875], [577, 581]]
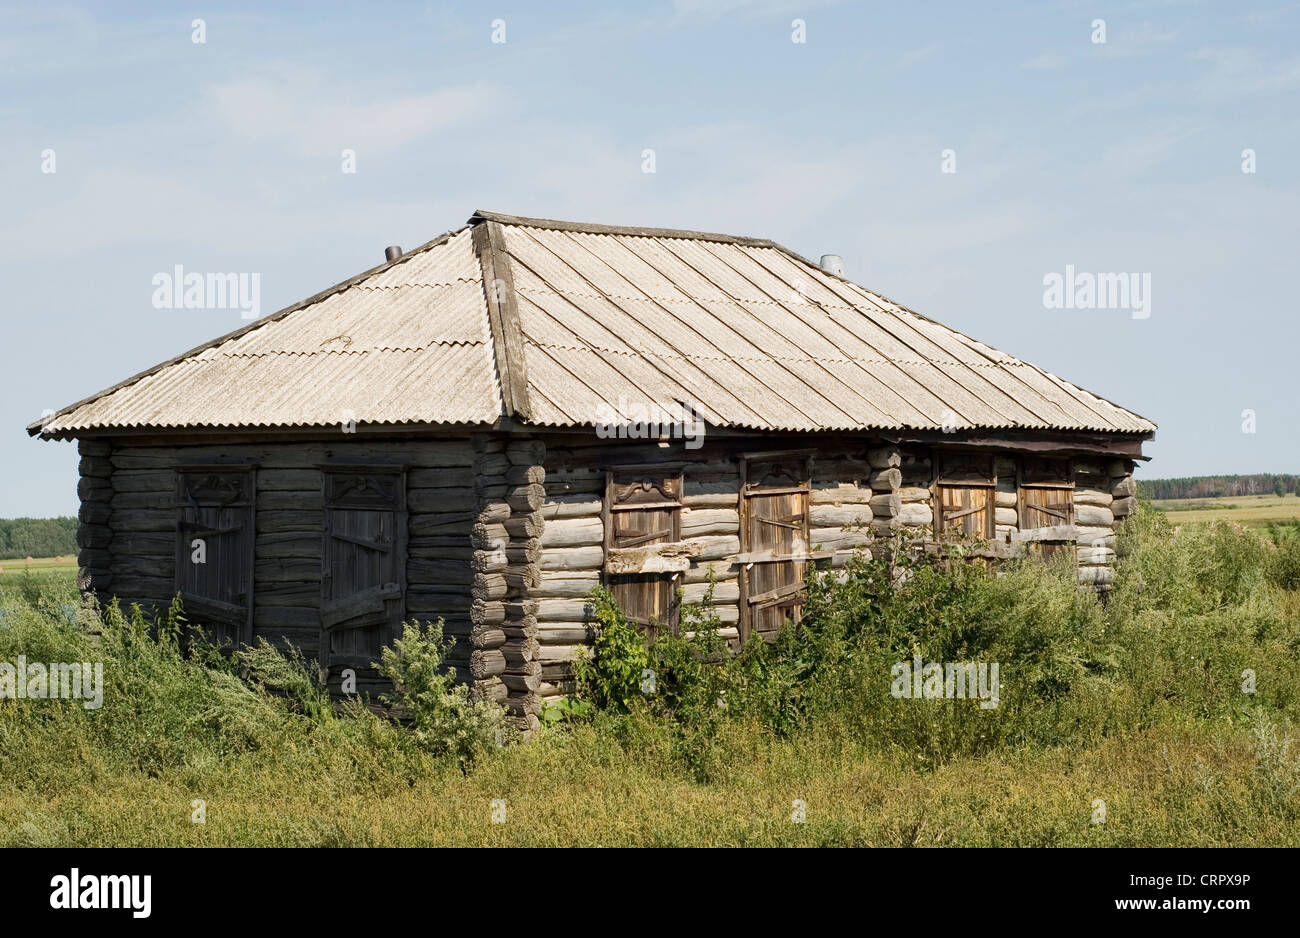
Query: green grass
[[1136, 702], [53, 569], [1249, 510]]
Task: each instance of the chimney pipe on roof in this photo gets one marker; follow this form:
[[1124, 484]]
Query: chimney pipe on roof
[[392, 253], [833, 263]]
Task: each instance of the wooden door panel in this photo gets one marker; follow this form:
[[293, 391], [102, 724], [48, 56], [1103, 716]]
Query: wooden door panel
[[215, 506], [775, 527], [966, 511], [1045, 507], [647, 600], [363, 576]]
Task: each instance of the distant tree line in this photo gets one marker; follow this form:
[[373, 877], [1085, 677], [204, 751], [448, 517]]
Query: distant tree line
[[1262, 483], [37, 537]]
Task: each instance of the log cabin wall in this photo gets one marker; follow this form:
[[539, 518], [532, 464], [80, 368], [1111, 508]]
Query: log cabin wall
[[505, 534], [852, 493], [94, 535], [135, 503]]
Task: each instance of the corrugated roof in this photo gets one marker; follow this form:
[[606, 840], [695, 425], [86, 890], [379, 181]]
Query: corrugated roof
[[609, 319]]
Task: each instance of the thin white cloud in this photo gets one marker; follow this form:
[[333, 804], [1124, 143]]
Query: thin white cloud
[[312, 114]]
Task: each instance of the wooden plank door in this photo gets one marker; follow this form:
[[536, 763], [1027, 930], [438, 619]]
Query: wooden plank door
[[644, 509], [214, 551], [966, 511], [1046, 499], [963, 496], [363, 576], [774, 533]]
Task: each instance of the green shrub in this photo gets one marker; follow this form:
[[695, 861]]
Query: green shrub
[[611, 675], [446, 720]]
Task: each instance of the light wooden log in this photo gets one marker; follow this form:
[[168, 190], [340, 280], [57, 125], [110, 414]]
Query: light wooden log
[[526, 498], [1095, 555], [525, 526], [559, 653], [885, 479], [820, 539], [564, 633], [1123, 507], [1123, 487], [1004, 499], [915, 493], [1093, 497], [573, 558], [576, 505], [723, 592], [842, 516], [572, 532], [840, 493], [697, 522], [520, 652], [915, 514], [1005, 516], [1093, 516], [563, 610], [713, 546], [566, 584], [1096, 576]]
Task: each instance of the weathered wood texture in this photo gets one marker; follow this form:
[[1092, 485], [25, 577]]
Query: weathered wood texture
[[140, 522]]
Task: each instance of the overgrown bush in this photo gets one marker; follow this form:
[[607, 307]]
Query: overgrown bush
[[1191, 632], [445, 719]]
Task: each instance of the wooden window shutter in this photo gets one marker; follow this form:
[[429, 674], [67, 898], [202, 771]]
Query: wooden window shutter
[[363, 575], [1046, 499], [774, 525], [643, 508], [963, 496], [214, 550]]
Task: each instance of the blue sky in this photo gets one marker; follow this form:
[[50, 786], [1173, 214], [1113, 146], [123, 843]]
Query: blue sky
[[226, 156]]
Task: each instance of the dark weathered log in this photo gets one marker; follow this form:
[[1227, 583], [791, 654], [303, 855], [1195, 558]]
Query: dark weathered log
[[279, 522], [884, 457], [422, 571], [95, 467], [431, 524], [526, 452], [93, 513], [458, 500], [440, 478], [88, 447]]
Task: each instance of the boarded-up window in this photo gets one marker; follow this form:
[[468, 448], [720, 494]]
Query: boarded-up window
[[214, 550], [1046, 498], [363, 576], [644, 510], [963, 491], [774, 541]]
